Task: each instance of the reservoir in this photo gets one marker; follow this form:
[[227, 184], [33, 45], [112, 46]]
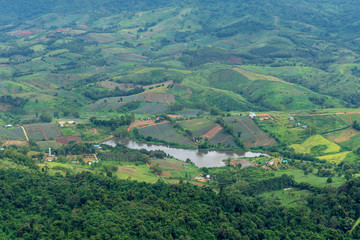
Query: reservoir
[[201, 158]]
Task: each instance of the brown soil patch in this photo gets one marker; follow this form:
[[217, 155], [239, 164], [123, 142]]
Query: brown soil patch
[[5, 106], [175, 116], [141, 123], [342, 135], [166, 174], [15, 142], [212, 133], [68, 139], [112, 85], [123, 169], [235, 162]]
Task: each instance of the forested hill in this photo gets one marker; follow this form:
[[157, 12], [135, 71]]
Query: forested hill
[[37, 205]]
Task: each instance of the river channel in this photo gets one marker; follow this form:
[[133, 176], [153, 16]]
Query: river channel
[[201, 158]]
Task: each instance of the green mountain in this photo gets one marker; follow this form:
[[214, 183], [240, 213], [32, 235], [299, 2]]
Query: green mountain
[[54, 46]]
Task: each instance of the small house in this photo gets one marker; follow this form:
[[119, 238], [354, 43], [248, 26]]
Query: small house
[[291, 118], [62, 124], [9, 125], [285, 161], [304, 127], [297, 124], [252, 115], [208, 177], [71, 122]]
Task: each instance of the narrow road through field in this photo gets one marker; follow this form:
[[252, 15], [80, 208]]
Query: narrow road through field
[[26, 136]]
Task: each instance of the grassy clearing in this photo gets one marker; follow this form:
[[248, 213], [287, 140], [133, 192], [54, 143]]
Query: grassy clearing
[[175, 169], [310, 178], [283, 129], [288, 198], [139, 173], [322, 123], [316, 140], [69, 131]]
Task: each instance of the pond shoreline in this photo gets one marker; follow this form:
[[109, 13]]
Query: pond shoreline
[[201, 158]]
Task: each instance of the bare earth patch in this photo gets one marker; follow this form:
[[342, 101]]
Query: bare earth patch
[[342, 135], [212, 133]]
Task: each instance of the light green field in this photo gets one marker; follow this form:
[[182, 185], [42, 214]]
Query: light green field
[[314, 141], [289, 198], [139, 173], [176, 169], [69, 131], [310, 178], [335, 158]]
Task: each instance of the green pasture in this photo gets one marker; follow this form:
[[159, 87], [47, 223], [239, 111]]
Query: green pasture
[[311, 178], [140, 173], [176, 169], [288, 198], [322, 123], [69, 131]]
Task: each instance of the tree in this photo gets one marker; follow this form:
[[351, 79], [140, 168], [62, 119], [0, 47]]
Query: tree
[[329, 180], [156, 168], [45, 117]]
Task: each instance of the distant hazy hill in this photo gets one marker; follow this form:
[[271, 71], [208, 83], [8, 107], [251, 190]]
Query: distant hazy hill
[[295, 54]]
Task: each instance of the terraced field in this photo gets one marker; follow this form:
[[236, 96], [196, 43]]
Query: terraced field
[[249, 132], [223, 138], [152, 108], [12, 134], [199, 126], [164, 131], [42, 131]]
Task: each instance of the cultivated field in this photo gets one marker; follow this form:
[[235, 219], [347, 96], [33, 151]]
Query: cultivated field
[[152, 108], [164, 131], [199, 126], [249, 132], [12, 134], [42, 131]]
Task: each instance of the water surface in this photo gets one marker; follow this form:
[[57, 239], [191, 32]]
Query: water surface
[[201, 158]]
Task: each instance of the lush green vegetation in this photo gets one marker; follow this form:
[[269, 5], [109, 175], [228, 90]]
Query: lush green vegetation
[[186, 74]]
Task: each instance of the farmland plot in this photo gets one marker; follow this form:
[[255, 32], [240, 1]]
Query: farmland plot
[[165, 131], [12, 134], [42, 131], [198, 127], [152, 108], [249, 132], [223, 138]]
